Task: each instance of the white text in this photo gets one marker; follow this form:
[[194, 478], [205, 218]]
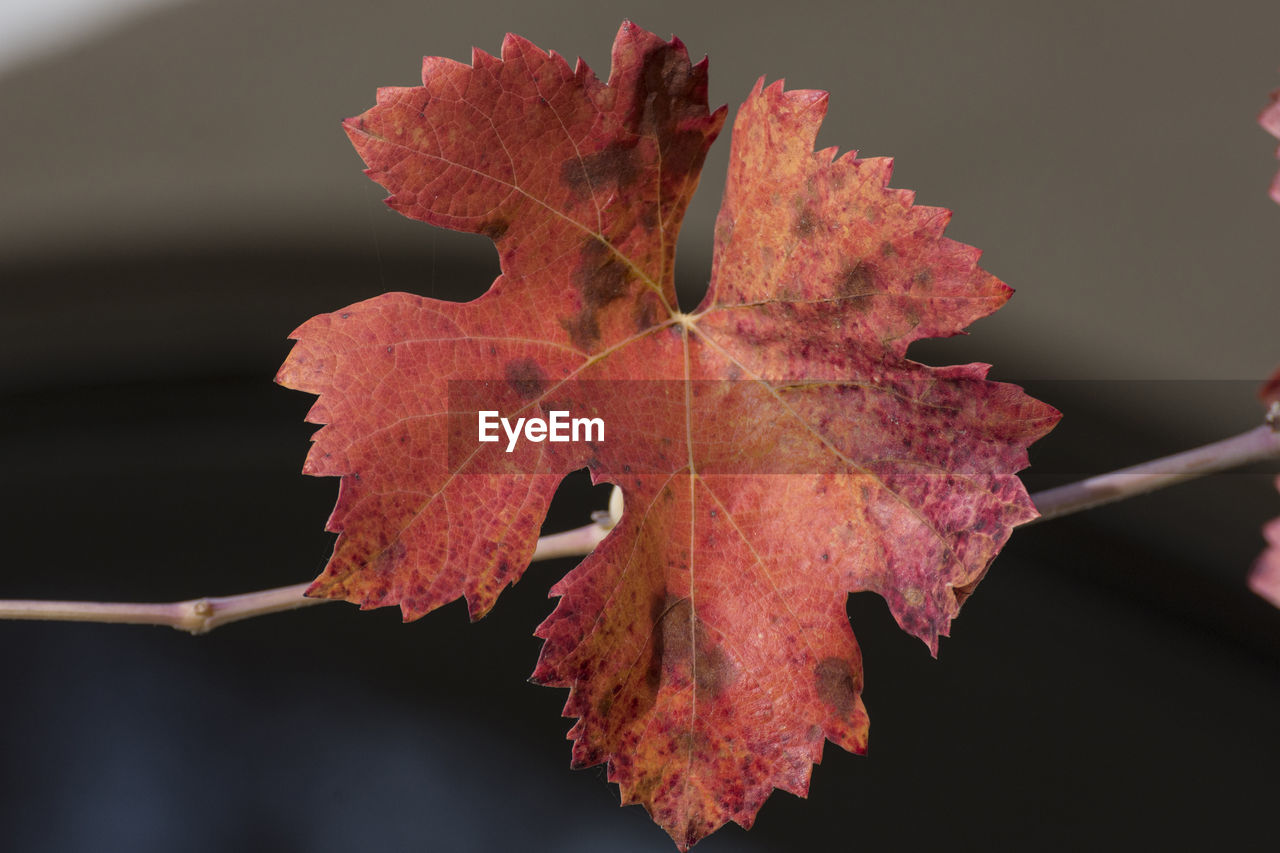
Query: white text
[[558, 426]]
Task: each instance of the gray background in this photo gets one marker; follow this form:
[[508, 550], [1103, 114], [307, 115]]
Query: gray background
[[176, 195]]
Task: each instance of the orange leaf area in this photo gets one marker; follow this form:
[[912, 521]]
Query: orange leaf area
[[776, 448]]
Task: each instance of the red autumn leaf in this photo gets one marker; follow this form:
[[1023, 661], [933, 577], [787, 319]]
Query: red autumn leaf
[[1270, 121], [776, 448], [1269, 393], [1265, 577]]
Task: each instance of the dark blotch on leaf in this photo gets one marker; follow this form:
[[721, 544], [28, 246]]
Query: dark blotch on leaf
[[525, 377], [583, 329], [835, 684], [601, 278], [858, 280], [645, 315], [669, 76], [714, 671], [653, 674], [806, 223], [495, 228], [681, 643], [612, 168]]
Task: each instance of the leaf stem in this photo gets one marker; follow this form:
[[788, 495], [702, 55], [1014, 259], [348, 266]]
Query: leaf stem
[[199, 615]]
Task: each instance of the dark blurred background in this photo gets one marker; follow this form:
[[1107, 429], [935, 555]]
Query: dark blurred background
[[176, 196]]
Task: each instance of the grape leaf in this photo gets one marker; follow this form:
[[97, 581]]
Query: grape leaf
[[776, 448], [1264, 579], [1270, 121], [1269, 393]]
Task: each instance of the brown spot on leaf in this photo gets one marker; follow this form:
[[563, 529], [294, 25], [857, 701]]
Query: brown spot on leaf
[[859, 279], [525, 377], [495, 228], [601, 275], [668, 75], [613, 168], [645, 314], [713, 670], [601, 278], [583, 329], [806, 222], [653, 674], [682, 648], [835, 684]]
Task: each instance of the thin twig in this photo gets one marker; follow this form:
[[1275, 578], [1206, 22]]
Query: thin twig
[[197, 615], [204, 614], [1252, 446], [200, 615]]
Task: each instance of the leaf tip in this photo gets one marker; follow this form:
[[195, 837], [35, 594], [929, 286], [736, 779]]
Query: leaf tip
[[319, 588], [536, 679], [478, 605]]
